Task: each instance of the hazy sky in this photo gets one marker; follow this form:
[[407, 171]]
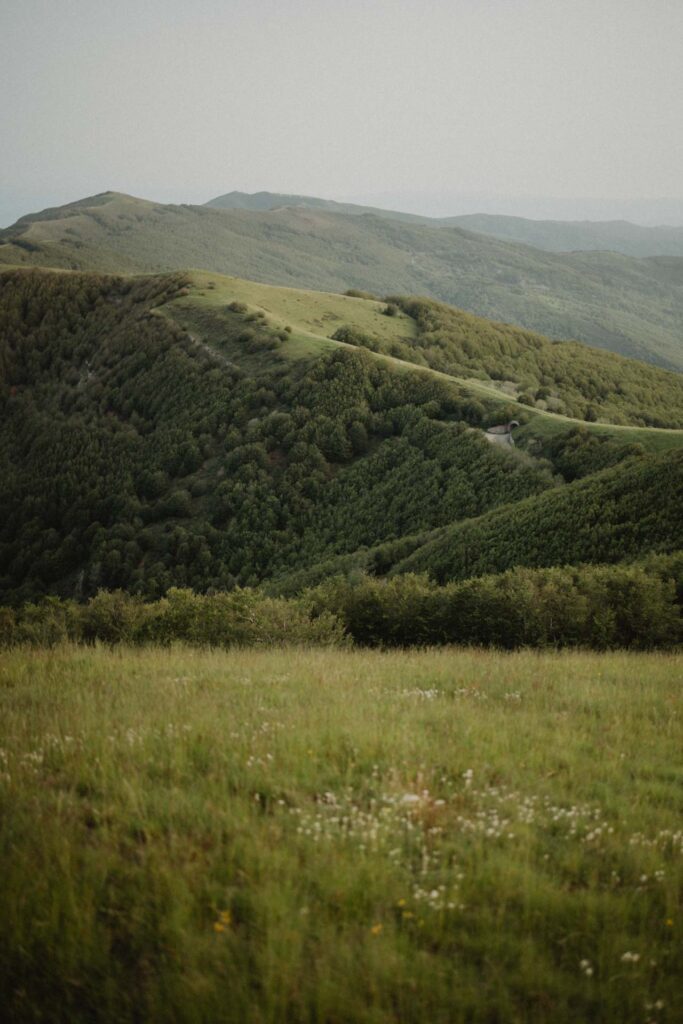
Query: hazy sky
[[432, 103]]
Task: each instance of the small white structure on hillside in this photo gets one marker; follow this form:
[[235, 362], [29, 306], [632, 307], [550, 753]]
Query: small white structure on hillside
[[501, 434]]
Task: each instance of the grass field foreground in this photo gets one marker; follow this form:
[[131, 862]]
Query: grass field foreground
[[306, 835]]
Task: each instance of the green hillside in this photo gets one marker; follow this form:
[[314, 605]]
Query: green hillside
[[201, 431], [626, 305], [551, 235], [611, 516], [141, 449], [614, 515], [522, 371], [564, 377]]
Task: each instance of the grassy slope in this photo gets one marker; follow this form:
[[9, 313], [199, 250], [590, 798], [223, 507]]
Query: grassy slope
[[611, 301], [313, 316], [366, 837]]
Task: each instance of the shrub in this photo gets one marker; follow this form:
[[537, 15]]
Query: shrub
[[112, 617], [48, 622], [602, 607], [352, 336], [8, 627], [240, 617]]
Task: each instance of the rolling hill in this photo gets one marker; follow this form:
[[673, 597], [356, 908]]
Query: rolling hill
[[631, 306], [598, 519], [552, 235], [195, 430], [569, 236]]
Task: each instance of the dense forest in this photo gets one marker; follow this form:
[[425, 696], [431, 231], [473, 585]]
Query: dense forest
[[133, 456], [149, 444], [606, 515], [611, 516]]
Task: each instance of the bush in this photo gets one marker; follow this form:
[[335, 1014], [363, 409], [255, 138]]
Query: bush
[[601, 607], [112, 617], [48, 622], [240, 617], [352, 336]]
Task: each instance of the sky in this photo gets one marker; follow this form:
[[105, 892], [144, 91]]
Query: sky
[[539, 107]]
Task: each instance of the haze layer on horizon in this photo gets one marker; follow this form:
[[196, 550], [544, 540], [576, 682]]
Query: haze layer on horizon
[[446, 107]]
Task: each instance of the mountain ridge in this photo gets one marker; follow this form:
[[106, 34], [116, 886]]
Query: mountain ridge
[[626, 305], [550, 235]]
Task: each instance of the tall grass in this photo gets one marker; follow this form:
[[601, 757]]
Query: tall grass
[[340, 836]]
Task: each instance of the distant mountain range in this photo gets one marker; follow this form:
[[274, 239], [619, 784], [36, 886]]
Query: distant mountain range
[[629, 305], [551, 235]]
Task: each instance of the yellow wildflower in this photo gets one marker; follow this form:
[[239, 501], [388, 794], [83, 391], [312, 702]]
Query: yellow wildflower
[[376, 929], [225, 917], [218, 927]]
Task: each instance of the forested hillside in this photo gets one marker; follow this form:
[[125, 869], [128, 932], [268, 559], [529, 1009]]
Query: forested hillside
[[622, 503], [611, 516], [564, 377], [521, 370], [631, 306], [135, 455], [157, 435]]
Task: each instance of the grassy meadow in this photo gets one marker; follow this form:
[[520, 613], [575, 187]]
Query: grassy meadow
[[340, 836]]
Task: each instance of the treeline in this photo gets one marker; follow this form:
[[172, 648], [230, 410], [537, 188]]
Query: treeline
[[134, 457], [241, 617], [563, 377], [601, 607], [596, 606]]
